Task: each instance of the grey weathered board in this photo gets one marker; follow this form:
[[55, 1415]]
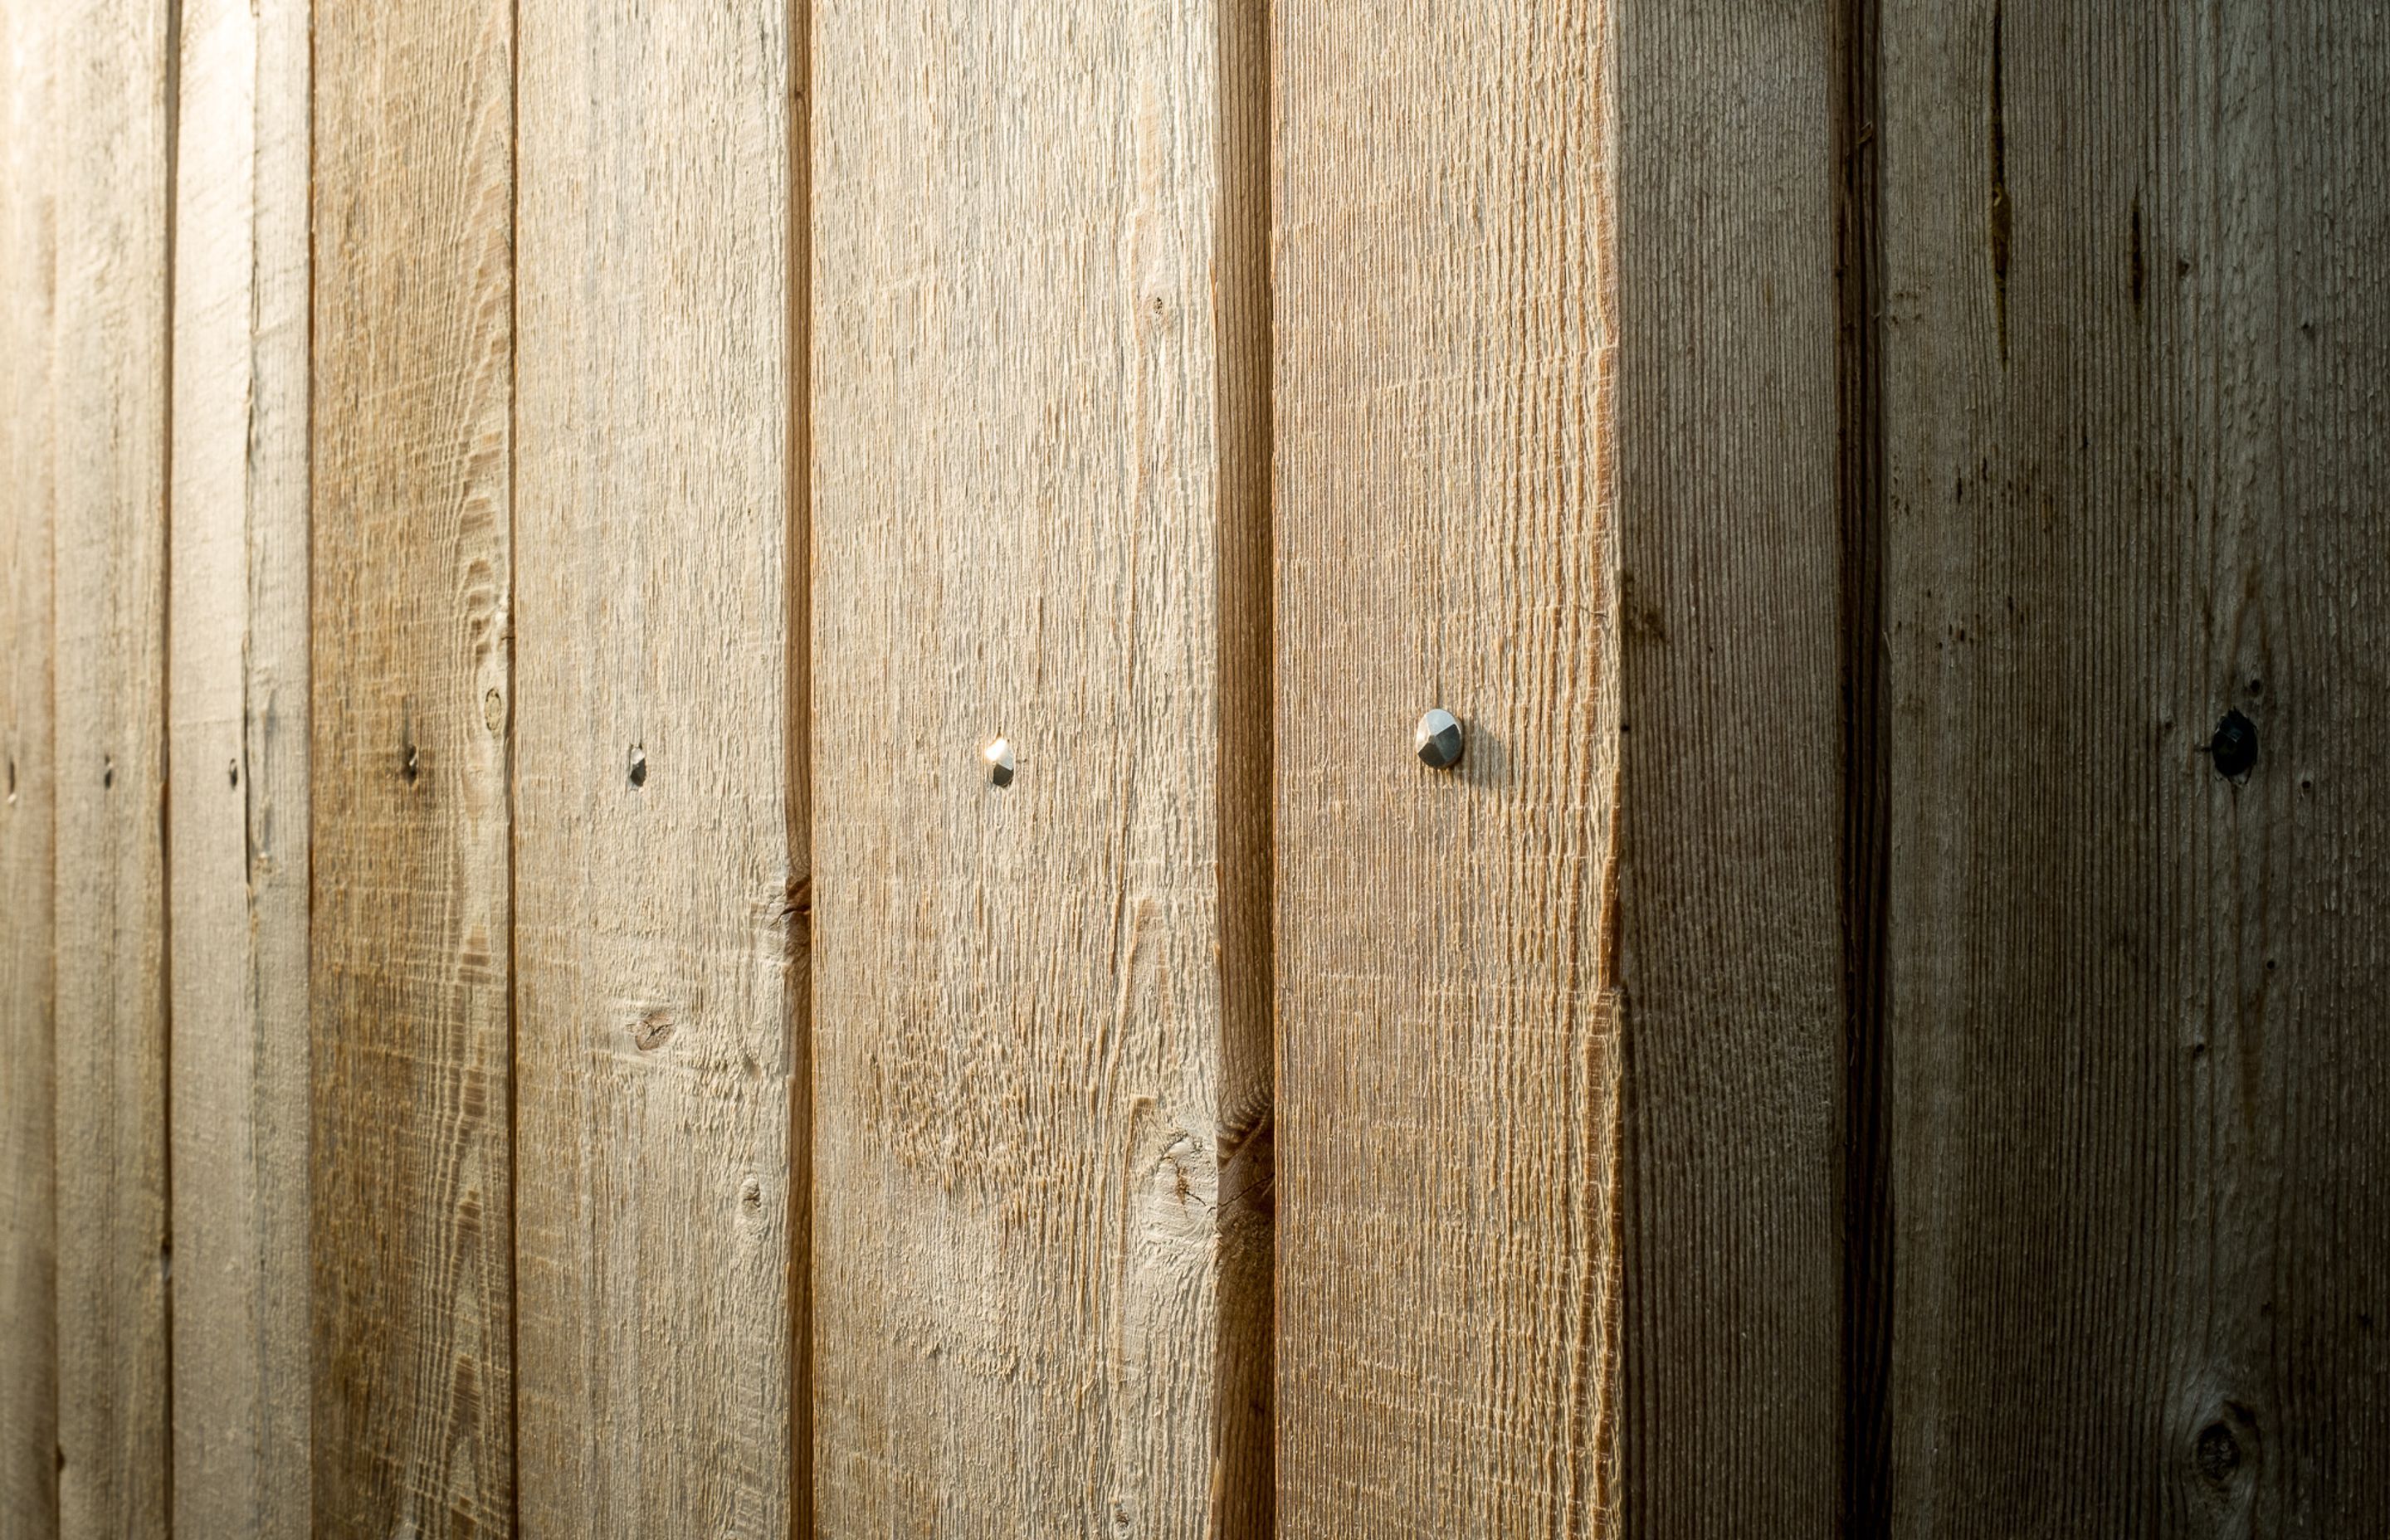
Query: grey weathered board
[[1445, 529], [1038, 1244], [236, 739], [659, 772], [108, 382], [2135, 445], [28, 1390], [411, 1204], [1731, 887]]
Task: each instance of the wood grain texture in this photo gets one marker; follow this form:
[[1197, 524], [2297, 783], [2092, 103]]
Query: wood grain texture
[[659, 896], [28, 1389], [411, 1232], [1039, 1095], [1443, 284], [237, 808], [1732, 782], [2135, 450], [114, 151]]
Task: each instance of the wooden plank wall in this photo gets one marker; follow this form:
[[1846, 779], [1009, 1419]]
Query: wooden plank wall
[[524, 1008], [28, 1390], [659, 772], [411, 1144], [237, 739], [1031, 1240], [2134, 455]]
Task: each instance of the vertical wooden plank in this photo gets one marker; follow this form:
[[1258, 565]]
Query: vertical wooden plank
[[412, 1224], [1039, 1096], [2135, 448], [1444, 279], [113, 101], [658, 718], [28, 1390], [1730, 886], [237, 806]]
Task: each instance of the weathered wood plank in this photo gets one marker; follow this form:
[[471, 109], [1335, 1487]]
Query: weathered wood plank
[[412, 1183], [236, 807], [1038, 1093], [1731, 911], [659, 771], [113, 149], [1446, 1288], [28, 1390], [2136, 443]]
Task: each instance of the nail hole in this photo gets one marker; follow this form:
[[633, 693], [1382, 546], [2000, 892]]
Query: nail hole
[[638, 767], [232, 772], [106, 772]]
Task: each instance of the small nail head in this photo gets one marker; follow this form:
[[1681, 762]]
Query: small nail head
[[1000, 766], [1439, 740]]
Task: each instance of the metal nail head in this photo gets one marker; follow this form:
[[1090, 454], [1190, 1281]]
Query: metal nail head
[[998, 754], [2234, 746], [1439, 740]]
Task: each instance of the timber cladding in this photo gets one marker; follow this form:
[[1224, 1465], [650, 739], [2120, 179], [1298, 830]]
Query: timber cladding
[[712, 824]]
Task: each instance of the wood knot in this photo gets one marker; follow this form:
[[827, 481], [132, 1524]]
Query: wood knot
[[2217, 1454], [1248, 1157], [655, 1030]]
